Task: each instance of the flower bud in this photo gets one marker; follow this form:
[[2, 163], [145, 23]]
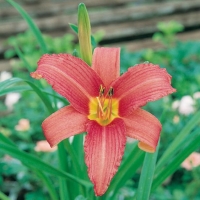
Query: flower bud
[[84, 34]]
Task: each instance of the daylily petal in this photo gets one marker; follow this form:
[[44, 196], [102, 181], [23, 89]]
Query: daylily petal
[[71, 77], [62, 124], [106, 62], [104, 147], [140, 84], [144, 127]]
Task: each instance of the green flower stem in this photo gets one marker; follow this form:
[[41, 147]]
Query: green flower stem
[[77, 145], [73, 156], [64, 193], [146, 176], [126, 170], [3, 196]]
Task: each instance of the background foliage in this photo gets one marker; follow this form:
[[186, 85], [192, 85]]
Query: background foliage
[[23, 180]]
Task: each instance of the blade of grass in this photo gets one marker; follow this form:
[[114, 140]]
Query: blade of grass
[[177, 141], [47, 183], [21, 56], [15, 89], [8, 83], [146, 177], [31, 24], [6, 140], [43, 97], [39, 164], [176, 162], [23, 88], [3, 196]]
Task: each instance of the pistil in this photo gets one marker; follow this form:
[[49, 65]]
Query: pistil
[[104, 109]]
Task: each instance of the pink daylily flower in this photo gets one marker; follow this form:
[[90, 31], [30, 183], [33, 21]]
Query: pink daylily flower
[[105, 105]]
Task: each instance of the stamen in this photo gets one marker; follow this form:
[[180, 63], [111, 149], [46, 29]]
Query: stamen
[[109, 105], [101, 90], [100, 106], [111, 92]]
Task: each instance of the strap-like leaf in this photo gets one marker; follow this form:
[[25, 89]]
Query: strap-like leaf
[[31, 24], [38, 164]]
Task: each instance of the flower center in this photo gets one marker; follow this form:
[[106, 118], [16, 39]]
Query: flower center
[[104, 108]]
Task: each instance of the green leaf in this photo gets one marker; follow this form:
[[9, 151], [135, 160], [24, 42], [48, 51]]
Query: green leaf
[[44, 98], [6, 140], [31, 24], [47, 183], [36, 163], [73, 156], [3, 196], [146, 177], [75, 168], [8, 83], [174, 146], [15, 89], [63, 184], [21, 56], [126, 170], [41, 175], [74, 27], [176, 161]]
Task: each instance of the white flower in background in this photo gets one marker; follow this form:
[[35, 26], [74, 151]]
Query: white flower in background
[[175, 104], [23, 125], [4, 75], [187, 105], [43, 146], [11, 99], [196, 95]]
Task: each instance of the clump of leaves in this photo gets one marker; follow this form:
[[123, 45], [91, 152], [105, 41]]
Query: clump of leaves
[[167, 32]]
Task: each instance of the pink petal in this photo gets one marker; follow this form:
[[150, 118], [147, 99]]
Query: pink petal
[[140, 84], [193, 160], [144, 127], [104, 148], [62, 124], [70, 77], [106, 62]]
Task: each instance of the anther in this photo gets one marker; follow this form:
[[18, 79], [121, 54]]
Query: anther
[[101, 90], [110, 92]]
